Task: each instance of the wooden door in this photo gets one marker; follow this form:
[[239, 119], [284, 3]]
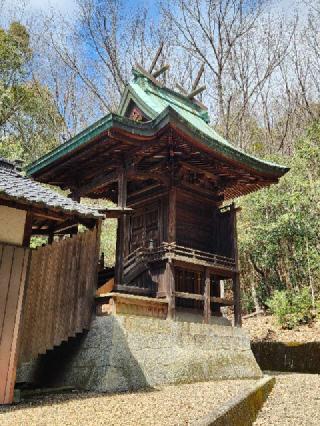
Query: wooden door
[[145, 226]]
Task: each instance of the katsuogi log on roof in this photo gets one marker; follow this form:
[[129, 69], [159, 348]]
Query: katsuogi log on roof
[[156, 131]]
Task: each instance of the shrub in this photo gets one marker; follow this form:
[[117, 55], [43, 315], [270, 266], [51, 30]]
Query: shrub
[[292, 308]]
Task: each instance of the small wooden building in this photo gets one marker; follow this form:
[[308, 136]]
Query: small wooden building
[[174, 180], [46, 294]]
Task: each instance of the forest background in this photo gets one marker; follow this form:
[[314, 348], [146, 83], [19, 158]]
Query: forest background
[[61, 70]]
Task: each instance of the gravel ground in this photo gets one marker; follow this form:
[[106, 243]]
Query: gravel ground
[[294, 400], [170, 405]]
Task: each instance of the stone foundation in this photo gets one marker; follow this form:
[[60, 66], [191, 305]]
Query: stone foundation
[[123, 353]]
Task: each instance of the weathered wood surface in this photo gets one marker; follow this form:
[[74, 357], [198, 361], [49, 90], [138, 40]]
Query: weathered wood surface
[[13, 269], [128, 304], [60, 293]]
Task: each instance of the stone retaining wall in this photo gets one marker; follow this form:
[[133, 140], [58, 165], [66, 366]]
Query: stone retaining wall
[[294, 357], [122, 353]]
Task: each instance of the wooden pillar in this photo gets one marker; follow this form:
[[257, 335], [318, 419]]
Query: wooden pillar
[[75, 196], [50, 238], [237, 299], [236, 275], [216, 293], [27, 230], [207, 307], [172, 215], [170, 275], [121, 229], [170, 290]]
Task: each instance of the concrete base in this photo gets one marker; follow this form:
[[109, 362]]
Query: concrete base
[[241, 410], [186, 315], [123, 353]]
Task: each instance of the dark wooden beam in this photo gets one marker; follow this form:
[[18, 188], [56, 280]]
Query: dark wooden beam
[[27, 230], [74, 195], [99, 182], [116, 212]]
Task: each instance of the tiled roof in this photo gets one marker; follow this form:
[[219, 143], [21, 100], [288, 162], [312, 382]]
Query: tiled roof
[[16, 187]]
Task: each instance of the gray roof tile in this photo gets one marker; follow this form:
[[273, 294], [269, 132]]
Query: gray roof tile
[[20, 188]]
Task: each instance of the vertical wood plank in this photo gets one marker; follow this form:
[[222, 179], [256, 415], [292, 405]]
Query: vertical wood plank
[[5, 275], [10, 322], [15, 345], [60, 292]]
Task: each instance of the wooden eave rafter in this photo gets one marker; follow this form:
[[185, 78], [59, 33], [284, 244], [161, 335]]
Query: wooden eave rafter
[[94, 166]]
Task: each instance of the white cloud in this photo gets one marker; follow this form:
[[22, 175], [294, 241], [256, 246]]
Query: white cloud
[[59, 5], [66, 7]]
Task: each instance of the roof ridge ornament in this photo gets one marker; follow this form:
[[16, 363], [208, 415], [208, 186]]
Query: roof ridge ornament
[[151, 74], [195, 89]]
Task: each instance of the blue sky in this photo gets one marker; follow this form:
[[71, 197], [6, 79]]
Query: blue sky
[[68, 6]]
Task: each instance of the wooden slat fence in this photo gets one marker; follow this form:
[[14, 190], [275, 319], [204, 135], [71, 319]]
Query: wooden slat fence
[[60, 293], [13, 269]]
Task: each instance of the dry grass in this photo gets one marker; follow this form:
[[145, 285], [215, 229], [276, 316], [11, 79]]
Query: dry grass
[[266, 328]]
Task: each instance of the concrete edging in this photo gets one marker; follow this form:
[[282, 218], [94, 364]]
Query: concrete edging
[[241, 410]]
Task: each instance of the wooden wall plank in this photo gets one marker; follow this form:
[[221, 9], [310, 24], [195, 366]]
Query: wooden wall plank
[[60, 293], [14, 262], [12, 365], [5, 275]]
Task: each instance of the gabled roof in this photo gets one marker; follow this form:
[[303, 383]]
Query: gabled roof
[[154, 100], [23, 190], [162, 106]]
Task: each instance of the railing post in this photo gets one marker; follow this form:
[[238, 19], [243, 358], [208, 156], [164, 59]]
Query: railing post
[[237, 300], [170, 289], [207, 307]]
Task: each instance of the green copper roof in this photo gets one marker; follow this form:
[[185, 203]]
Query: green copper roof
[[161, 105]]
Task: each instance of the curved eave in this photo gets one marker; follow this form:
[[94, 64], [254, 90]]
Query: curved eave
[[149, 129]]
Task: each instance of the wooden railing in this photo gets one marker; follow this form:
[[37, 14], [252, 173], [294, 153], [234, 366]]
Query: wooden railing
[[176, 252], [201, 297], [199, 257]]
